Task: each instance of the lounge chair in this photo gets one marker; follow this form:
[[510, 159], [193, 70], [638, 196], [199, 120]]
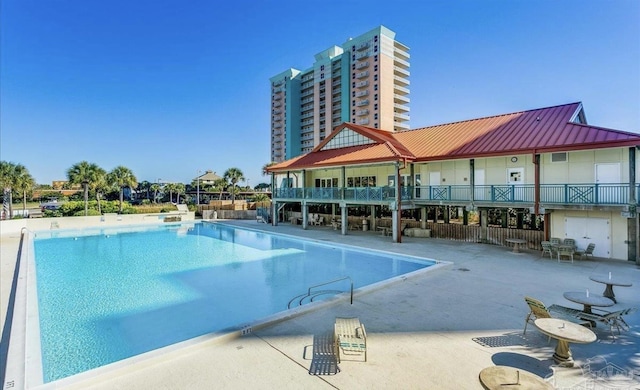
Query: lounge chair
[[350, 337], [613, 319], [539, 310], [587, 252]]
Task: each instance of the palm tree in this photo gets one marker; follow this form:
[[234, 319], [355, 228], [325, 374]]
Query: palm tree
[[233, 176], [155, 187], [23, 182], [100, 185], [7, 180], [122, 177], [84, 173], [144, 186], [169, 187], [178, 188], [220, 185]]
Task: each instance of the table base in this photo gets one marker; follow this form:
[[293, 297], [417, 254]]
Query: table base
[[608, 292], [562, 354]]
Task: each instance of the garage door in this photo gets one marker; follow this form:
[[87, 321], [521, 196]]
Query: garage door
[[587, 230]]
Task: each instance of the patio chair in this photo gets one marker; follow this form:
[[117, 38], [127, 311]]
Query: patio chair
[[613, 319], [587, 252], [539, 310], [565, 251], [547, 248], [555, 241], [569, 241], [350, 337]]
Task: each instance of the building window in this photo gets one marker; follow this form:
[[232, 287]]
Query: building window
[[353, 94], [322, 76], [558, 157], [375, 58], [375, 68], [375, 125], [375, 116], [375, 77], [375, 97], [375, 106], [353, 112], [353, 85], [321, 67], [375, 87], [353, 57], [353, 76], [375, 49], [375, 39], [353, 66], [353, 103]]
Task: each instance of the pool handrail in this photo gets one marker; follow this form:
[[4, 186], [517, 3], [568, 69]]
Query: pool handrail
[[302, 297]]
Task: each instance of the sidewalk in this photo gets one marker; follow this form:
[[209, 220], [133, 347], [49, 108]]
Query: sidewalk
[[435, 331]]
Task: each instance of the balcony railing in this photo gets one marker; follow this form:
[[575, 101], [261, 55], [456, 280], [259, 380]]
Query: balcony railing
[[552, 194]]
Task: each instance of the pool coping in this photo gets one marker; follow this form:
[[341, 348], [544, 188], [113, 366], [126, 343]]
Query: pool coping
[[27, 371]]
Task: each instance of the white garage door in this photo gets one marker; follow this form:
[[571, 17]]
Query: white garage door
[[587, 230]]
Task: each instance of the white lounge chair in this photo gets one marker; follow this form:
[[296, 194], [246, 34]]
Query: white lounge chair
[[350, 337]]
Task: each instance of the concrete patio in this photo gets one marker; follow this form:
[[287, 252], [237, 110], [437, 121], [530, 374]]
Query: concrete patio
[[437, 330]]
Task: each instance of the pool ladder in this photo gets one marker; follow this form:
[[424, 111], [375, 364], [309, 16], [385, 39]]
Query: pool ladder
[[312, 295]]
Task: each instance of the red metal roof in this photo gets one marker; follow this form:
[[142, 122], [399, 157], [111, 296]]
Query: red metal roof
[[535, 131]]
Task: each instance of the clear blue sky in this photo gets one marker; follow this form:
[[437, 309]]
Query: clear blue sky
[[168, 88]]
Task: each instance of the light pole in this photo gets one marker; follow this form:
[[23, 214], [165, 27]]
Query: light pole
[[198, 190]]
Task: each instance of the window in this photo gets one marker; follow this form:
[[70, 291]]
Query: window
[[375, 68], [375, 58], [375, 87], [375, 49], [558, 157], [375, 38], [375, 97], [375, 77], [375, 106], [353, 66], [353, 85], [321, 67], [361, 181], [353, 76], [321, 76], [375, 116], [353, 94]]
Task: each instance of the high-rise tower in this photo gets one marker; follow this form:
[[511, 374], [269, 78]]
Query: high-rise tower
[[366, 82]]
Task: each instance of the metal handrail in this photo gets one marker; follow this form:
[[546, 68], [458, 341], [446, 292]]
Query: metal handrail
[[318, 285]]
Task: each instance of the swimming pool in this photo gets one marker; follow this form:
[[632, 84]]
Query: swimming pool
[[109, 294]]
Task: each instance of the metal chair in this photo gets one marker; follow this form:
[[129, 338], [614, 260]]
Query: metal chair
[[569, 241], [565, 251], [587, 252], [547, 248]]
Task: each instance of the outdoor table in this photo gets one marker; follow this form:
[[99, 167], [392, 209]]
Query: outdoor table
[[588, 301], [503, 377], [516, 243], [383, 230], [610, 282], [565, 332]]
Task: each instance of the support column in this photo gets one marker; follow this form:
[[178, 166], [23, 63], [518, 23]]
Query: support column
[[274, 204], [632, 223], [305, 215], [372, 219], [303, 205], [423, 218], [484, 224], [395, 225], [345, 222]]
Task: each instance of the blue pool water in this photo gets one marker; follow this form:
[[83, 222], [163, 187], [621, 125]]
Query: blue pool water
[[107, 295]]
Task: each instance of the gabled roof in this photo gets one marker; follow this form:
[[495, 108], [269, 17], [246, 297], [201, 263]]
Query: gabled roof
[[540, 130]]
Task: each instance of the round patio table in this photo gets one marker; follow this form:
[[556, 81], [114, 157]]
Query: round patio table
[[565, 332], [588, 301], [504, 377], [610, 282]]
